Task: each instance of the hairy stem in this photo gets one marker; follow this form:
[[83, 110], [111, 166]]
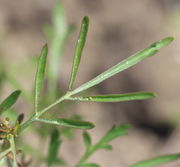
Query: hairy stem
[[35, 116]]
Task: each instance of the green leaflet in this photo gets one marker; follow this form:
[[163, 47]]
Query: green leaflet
[[155, 162], [132, 60], [87, 139], [68, 123], [40, 75], [79, 48], [53, 147], [116, 97], [9, 101], [105, 146]]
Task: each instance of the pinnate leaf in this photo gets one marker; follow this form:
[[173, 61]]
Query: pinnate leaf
[[113, 133]]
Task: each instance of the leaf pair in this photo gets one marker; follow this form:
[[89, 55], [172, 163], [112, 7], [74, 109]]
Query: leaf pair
[[38, 87]]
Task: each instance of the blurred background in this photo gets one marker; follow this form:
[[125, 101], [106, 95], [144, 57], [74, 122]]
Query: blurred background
[[117, 29]]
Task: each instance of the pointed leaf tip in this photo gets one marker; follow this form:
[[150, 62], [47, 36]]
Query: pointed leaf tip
[[40, 75], [45, 47], [79, 49], [162, 43], [85, 20]]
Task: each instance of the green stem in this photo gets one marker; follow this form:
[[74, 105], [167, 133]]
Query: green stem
[[35, 116], [38, 114], [13, 149], [27, 123], [67, 95]]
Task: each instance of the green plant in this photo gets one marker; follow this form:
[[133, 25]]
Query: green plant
[[113, 133], [10, 131]]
